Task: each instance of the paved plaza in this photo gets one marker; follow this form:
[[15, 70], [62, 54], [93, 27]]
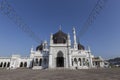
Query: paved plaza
[[60, 74]]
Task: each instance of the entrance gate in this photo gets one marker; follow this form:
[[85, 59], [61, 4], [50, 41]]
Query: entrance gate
[[60, 59]]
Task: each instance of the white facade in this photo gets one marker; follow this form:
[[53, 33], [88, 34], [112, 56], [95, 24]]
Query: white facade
[[14, 62], [59, 54]]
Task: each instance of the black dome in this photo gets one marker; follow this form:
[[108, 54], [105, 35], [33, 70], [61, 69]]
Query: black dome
[[40, 47], [60, 37], [80, 47]]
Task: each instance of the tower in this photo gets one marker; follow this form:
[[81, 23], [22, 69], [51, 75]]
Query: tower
[[90, 57]]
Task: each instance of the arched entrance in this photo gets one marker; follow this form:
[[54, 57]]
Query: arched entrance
[[21, 64], [8, 65], [40, 62], [25, 64], [60, 59]]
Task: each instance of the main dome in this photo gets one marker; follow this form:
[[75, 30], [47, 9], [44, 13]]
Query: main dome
[[60, 37]]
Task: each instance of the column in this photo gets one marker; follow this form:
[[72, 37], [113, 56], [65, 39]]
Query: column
[[70, 61], [66, 60], [50, 61], [78, 62], [82, 62]]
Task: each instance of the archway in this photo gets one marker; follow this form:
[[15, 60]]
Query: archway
[[79, 61], [25, 64], [60, 59], [84, 62], [36, 60], [21, 64], [8, 65], [5, 64], [1, 64], [32, 63], [40, 62]]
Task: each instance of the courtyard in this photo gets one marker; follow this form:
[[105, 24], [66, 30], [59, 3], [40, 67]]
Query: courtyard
[[60, 74]]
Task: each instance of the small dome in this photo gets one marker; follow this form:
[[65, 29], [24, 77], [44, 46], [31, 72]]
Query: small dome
[[40, 47], [60, 37], [80, 47]]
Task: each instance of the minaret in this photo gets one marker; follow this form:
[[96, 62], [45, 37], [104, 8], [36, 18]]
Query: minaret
[[89, 50], [75, 41], [51, 39], [31, 49], [45, 44], [90, 57], [32, 52], [69, 41]]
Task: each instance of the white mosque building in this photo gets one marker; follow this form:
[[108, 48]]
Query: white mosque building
[[60, 53]]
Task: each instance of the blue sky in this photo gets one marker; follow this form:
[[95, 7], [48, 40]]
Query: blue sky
[[45, 16]]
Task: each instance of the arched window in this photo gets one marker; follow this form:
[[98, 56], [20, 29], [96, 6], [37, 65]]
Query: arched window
[[40, 62], [72, 62], [79, 61], [60, 54], [21, 64], [88, 63], [5, 64], [36, 60], [1, 64], [75, 60], [25, 64], [84, 63], [8, 64]]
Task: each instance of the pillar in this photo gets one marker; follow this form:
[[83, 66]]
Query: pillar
[[50, 61]]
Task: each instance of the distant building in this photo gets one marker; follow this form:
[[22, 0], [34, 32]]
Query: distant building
[[59, 54], [115, 62]]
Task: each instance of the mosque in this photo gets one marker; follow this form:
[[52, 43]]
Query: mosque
[[60, 53]]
